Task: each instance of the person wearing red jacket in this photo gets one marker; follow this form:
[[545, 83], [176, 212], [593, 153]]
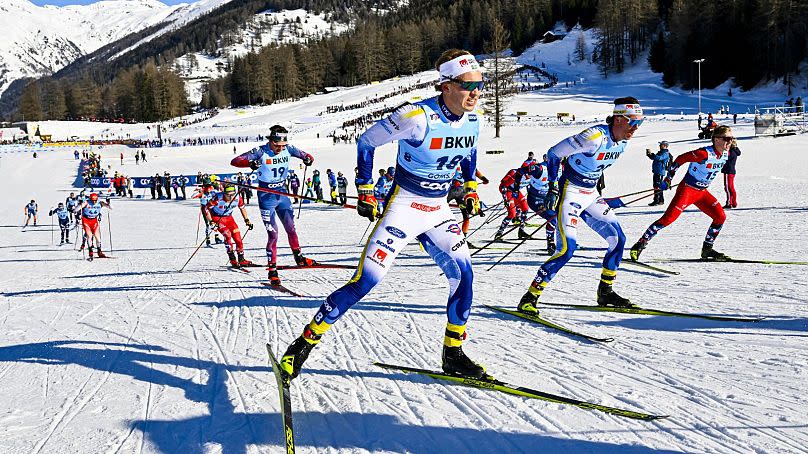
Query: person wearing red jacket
[[515, 202], [704, 165], [219, 213]]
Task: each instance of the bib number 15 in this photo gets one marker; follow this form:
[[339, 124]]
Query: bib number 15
[[445, 163]]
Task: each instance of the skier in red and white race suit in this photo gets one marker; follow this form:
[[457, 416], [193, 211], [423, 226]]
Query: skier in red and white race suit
[[705, 164], [90, 213], [219, 213], [515, 202]]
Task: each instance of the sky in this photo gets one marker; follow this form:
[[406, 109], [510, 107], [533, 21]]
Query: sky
[[87, 2]]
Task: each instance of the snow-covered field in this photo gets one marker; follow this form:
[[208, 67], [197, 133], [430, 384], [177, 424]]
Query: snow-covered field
[[128, 355]]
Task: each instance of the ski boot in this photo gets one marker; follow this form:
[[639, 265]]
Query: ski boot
[[608, 297], [455, 362], [67, 240], [242, 261], [272, 275], [207, 241], [498, 235], [636, 250], [297, 352], [301, 260], [523, 235], [90, 256], [233, 260], [708, 253], [217, 239], [101, 255], [529, 304]]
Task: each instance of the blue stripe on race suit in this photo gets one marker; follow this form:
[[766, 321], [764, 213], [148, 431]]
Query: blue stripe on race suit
[[701, 174], [427, 168]]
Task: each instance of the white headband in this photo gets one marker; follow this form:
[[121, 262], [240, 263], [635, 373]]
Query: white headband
[[627, 109], [453, 68]]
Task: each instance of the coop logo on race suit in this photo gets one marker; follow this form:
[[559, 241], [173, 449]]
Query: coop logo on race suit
[[438, 143], [435, 186], [395, 232]]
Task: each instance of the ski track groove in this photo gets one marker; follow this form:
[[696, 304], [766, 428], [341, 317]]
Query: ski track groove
[[72, 401], [681, 385], [223, 358]]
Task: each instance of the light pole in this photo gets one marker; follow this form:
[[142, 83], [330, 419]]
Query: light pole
[[699, 61]]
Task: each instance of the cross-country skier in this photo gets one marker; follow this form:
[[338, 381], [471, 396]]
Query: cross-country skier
[[90, 214], [537, 189], [434, 136], [219, 214], [271, 161], [513, 199], [574, 198], [205, 195], [71, 202], [383, 187], [63, 215], [705, 165], [30, 210]]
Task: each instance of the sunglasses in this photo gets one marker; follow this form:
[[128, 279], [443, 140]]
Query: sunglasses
[[726, 138], [470, 85], [633, 123]]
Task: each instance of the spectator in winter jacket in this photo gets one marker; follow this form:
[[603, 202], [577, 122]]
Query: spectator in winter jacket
[[342, 188], [309, 191], [294, 183], [317, 184], [729, 175], [659, 168], [332, 184]]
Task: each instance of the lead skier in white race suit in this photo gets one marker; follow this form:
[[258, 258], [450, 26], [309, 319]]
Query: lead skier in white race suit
[[434, 136]]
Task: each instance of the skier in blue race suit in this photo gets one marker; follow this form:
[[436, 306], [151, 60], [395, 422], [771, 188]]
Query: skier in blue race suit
[[573, 197], [434, 137]]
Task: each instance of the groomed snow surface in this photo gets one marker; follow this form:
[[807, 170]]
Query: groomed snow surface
[[128, 355]]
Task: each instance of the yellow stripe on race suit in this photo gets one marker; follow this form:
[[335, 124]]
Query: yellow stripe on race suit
[[413, 113], [361, 267], [560, 223]]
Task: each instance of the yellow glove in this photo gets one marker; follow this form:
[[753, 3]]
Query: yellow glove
[[471, 199]]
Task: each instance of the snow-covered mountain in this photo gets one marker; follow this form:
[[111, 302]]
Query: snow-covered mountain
[[267, 27], [41, 40]]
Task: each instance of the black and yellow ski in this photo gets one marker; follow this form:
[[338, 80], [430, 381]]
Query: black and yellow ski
[[549, 324], [642, 311], [503, 387], [286, 402]]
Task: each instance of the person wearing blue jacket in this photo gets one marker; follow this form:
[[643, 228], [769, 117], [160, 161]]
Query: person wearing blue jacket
[[659, 167]]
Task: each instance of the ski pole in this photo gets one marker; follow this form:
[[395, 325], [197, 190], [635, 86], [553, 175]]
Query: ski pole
[[288, 194], [300, 205], [109, 231], [495, 240], [51, 216], [645, 196], [198, 221], [192, 256], [517, 245], [490, 218], [362, 240]]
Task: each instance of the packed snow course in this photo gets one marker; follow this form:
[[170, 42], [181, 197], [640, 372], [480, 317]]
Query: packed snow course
[[128, 355]]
